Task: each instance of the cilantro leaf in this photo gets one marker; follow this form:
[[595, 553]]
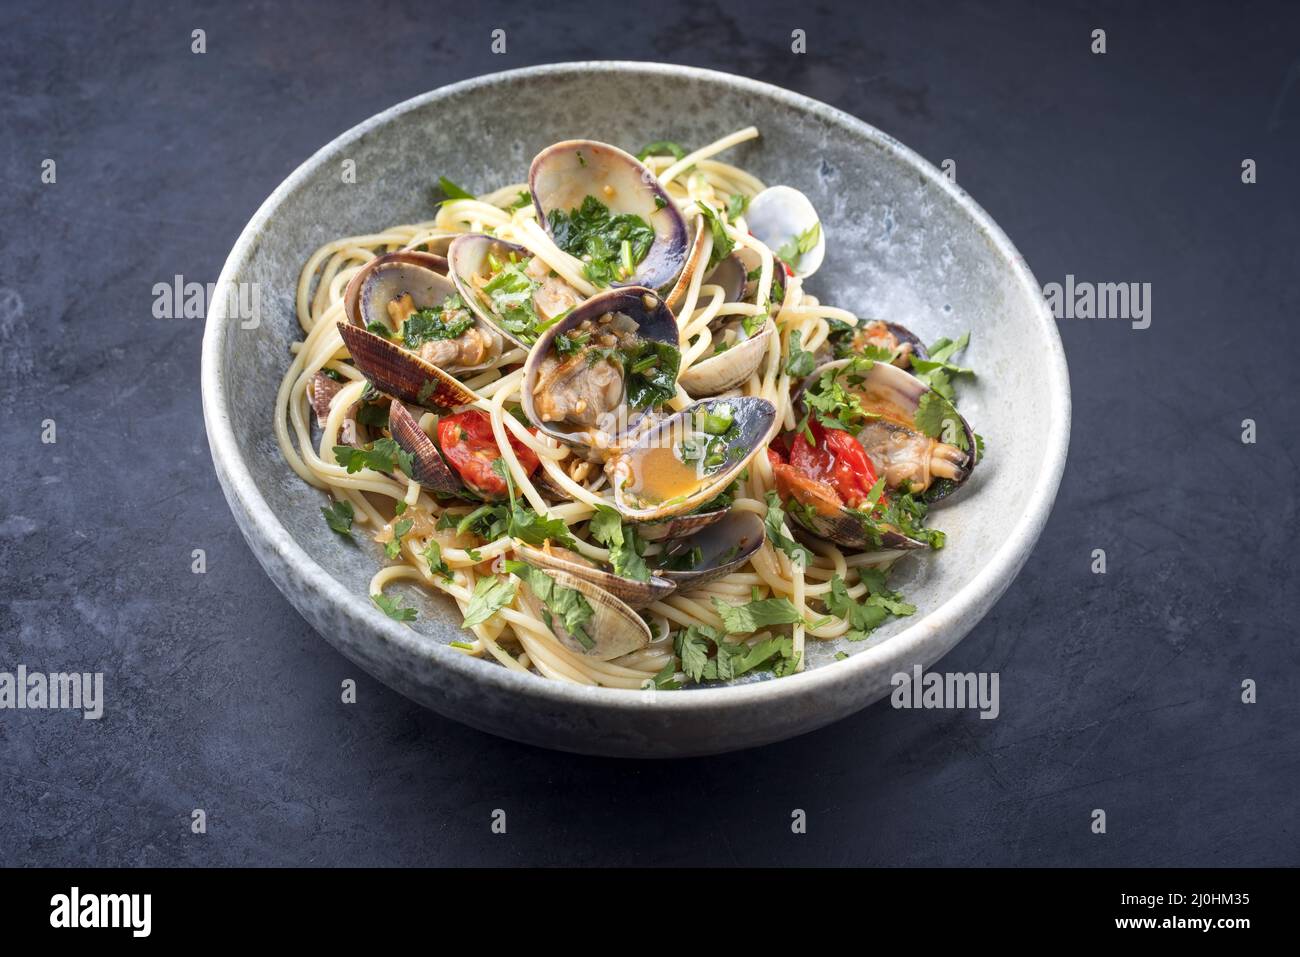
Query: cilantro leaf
[[339, 517], [491, 594]]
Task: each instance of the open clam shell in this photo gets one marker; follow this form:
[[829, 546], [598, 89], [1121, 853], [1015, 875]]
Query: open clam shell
[[898, 450], [614, 629], [635, 594], [730, 368], [563, 175], [651, 479], [469, 262], [594, 429], [825, 516], [724, 546], [402, 374], [678, 526], [428, 467], [780, 215]]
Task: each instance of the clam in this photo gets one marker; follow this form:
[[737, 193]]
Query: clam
[[575, 387], [731, 367], [562, 177], [321, 391], [397, 284], [613, 630], [686, 459], [897, 339], [731, 274], [427, 465], [635, 594], [899, 450], [714, 551], [781, 215], [507, 287]]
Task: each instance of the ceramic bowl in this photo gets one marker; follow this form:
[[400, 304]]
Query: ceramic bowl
[[905, 244]]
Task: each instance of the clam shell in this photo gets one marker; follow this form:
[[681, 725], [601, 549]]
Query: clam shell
[[678, 526], [467, 258], [904, 392], [779, 214], [563, 175], [615, 629], [654, 320], [635, 594], [757, 422], [731, 368], [428, 467], [402, 374], [410, 257], [696, 259], [743, 531]]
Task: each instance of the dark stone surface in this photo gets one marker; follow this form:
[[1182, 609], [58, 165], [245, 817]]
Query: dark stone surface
[[1119, 691]]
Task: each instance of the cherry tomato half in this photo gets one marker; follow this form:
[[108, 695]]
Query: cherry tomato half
[[836, 458], [468, 444]]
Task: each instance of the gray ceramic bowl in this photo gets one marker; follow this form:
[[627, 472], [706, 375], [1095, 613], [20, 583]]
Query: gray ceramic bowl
[[904, 244]]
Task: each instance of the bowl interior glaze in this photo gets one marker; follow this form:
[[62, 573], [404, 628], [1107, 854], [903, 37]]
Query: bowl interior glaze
[[903, 244]]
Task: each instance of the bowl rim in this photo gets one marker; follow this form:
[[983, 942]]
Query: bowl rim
[[977, 596]]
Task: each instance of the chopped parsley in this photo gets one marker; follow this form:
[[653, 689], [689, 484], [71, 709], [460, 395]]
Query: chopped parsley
[[722, 243], [624, 544], [774, 522], [750, 617], [433, 555], [451, 320], [510, 292], [794, 249], [937, 371], [393, 548], [736, 206], [651, 370], [610, 246], [451, 191], [392, 609], [381, 456], [339, 517], [865, 616], [730, 659], [662, 148], [523, 523], [937, 418], [491, 594], [801, 362]]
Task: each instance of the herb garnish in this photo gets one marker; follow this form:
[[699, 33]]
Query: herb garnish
[[774, 522], [392, 609], [339, 517], [597, 237], [491, 594], [381, 456], [568, 604], [624, 544], [794, 249]]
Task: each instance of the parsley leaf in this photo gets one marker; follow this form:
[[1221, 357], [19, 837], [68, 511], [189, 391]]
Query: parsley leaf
[[662, 148], [433, 555], [736, 206], [392, 609], [451, 191], [651, 369], [774, 522], [393, 548], [525, 524], [624, 544], [491, 594], [381, 456], [448, 321], [597, 237], [865, 617], [750, 617], [801, 362], [730, 659], [793, 249], [722, 244], [936, 417], [339, 517]]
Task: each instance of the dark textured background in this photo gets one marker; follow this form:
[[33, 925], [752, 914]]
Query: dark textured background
[[1119, 691]]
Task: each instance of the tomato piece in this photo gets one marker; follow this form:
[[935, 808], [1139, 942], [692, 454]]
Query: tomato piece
[[774, 457], [836, 458], [468, 444]]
